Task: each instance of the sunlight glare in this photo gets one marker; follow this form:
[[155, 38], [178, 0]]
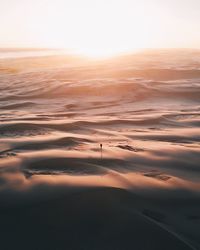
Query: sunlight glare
[[98, 31]]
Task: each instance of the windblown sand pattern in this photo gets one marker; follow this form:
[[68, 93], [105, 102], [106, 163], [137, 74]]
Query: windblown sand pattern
[[56, 189]]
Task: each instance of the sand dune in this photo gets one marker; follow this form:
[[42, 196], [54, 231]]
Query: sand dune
[[58, 190], [93, 219]]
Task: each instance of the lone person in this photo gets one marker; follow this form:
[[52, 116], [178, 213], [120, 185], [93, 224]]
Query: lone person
[[101, 147]]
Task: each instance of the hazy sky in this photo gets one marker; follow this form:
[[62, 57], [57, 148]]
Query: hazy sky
[[100, 26]]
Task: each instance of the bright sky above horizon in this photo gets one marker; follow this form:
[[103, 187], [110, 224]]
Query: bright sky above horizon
[[100, 27]]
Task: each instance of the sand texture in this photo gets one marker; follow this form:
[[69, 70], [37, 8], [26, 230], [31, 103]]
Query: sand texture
[[60, 190]]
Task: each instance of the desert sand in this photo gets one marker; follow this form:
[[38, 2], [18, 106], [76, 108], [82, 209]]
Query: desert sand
[[59, 191]]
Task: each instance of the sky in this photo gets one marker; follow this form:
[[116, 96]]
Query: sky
[[100, 26]]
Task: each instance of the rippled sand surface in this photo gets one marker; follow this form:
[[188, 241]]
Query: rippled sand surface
[[58, 190]]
